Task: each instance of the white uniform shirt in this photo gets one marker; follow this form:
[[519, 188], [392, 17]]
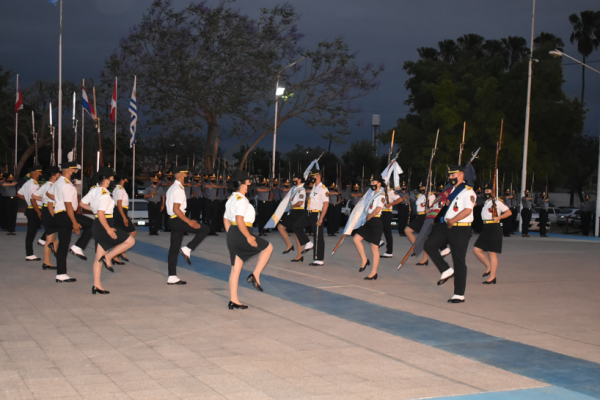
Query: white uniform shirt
[[421, 202], [99, 200], [42, 192], [28, 189], [377, 201], [238, 204], [121, 194], [63, 192], [392, 197], [466, 199], [299, 196], [486, 211], [176, 194], [319, 195]]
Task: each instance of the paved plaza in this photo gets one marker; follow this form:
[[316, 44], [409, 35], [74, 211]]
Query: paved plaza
[[315, 333]]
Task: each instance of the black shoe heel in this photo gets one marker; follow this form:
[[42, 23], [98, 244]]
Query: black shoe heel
[[486, 274], [442, 281], [116, 261], [52, 249], [374, 278], [103, 259], [287, 251], [233, 305], [96, 290], [46, 266], [425, 263], [252, 279], [492, 282], [122, 257], [364, 266], [299, 260]]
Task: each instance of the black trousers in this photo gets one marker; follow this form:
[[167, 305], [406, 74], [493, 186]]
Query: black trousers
[[65, 228], [526, 217], [219, 217], [310, 219], [195, 204], [477, 221], [154, 216], [386, 220], [203, 205], [165, 218], [212, 211], [333, 218], [403, 214], [458, 238], [2, 212], [513, 220], [12, 208], [33, 224], [507, 226], [586, 217], [178, 228], [263, 214], [86, 231], [543, 221]]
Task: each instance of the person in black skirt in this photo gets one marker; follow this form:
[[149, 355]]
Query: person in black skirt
[[100, 202], [490, 239], [121, 217], [242, 244], [50, 227], [424, 202], [297, 200], [372, 229]]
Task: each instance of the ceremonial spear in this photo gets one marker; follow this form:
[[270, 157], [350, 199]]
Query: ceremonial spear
[[34, 136], [495, 180]]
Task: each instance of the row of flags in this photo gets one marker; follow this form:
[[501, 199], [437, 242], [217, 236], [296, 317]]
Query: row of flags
[[87, 106]]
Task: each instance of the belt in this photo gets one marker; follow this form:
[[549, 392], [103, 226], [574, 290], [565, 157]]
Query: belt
[[491, 221], [154, 202], [462, 224], [298, 208], [173, 216], [56, 212], [106, 216], [317, 211], [377, 216], [127, 208], [30, 207], [45, 205], [421, 213], [387, 210], [248, 224], [263, 201]]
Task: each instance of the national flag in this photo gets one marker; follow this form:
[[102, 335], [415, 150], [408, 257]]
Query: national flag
[[19, 100], [133, 112], [86, 103], [113, 103]]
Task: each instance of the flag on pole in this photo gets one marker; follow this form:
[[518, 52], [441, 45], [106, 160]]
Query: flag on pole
[[113, 103], [133, 112], [86, 103], [19, 100]]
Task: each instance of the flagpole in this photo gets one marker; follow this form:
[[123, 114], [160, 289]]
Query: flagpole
[[115, 155], [132, 186], [60, 88], [82, 135], [132, 140]]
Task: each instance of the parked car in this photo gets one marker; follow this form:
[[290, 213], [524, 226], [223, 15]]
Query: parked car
[[567, 213], [553, 213], [138, 211], [534, 224]]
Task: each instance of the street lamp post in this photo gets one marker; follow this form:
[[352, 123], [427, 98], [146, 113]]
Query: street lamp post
[[279, 92], [558, 53]]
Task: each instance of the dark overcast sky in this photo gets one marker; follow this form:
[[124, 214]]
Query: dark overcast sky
[[387, 31]]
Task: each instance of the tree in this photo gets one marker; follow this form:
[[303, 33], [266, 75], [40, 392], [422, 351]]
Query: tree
[[361, 157], [586, 31]]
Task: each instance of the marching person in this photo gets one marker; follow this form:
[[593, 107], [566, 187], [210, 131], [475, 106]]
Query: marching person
[[242, 245], [490, 239], [47, 217], [423, 202], [526, 202], [222, 196], [587, 209], [387, 215], [274, 199], [507, 224], [372, 229], [264, 194], [11, 204], [309, 231], [211, 204], [155, 195], [166, 184], [106, 235], [543, 203], [334, 212], [33, 212], [180, 224], [355, 196], [477, 221], [403, 209], [454, 228], [316, 209], [121, 217], [297, 199], [196, 199]]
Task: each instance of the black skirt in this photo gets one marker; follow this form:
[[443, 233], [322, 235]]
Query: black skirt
[[371, 231], [103, 239], [490, 238], [417, 223], [119, 221], [238, 245], [48, 222], [288, 220]]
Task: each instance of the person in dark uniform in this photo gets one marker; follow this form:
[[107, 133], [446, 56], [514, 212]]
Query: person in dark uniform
[[166, 184], [477, 221], [3, 206], [203, 202], [387, 214], [195, 201], [372, 229], [155, 195], [264, 207], [526, 202], [187, 186], [241, 243], [490, 239], [355, 196], [403, 209], [507, 223], [211, 204], [11, 204], [121, 212], [274, 199], [587, 209], [334, 211], [423, 203], [222, 196], [161, 181], [47, 218], [454, 229], [176, 205], [296, 210], [543, 203], [33, 212]]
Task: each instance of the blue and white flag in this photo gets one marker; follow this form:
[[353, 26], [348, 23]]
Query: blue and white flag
[[133, 112]]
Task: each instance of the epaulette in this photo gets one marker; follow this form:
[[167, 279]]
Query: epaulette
[[104, 191], [324, 187], [239, 196], [93, 187], [468, 187], [67, 181]]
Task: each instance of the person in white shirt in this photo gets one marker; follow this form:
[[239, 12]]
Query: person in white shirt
[[121, 217], [33, 212], [99, 201], [242, 244], [316, 209], [423, 202], [454, 228], [372, 229], [297, 200], [50, 227], [490, 238], [387, 215], [179, 224]]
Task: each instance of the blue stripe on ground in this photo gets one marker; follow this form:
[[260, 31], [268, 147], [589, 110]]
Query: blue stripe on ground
[[544, 393], [543, 365]]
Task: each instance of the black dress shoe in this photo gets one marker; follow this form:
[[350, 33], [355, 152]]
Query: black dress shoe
[[306, 250], [313, 264], [103, 260], [486, 274], [492, 282], [122, 257], [374, 278], [364, 266], [96, 290], [213, 234], [425, 263], [384, 256], [442, 281], [66, 280], [78, 255], [186, 257], [52, 249], [301, 259], [116, 261], [288, 250], [233, 305], [46, 266], [33, 259], [180, 282], [456, 301], [252, 279]]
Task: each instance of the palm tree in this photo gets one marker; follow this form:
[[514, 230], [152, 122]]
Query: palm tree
[[584, 33]]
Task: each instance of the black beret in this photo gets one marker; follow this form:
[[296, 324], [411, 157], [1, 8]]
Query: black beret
[[455, 168], [36, 168], [179, 169], [105, 171], [70, 165], [240, 176]]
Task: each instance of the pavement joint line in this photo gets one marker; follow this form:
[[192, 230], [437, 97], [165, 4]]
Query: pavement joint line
[[351, 286]]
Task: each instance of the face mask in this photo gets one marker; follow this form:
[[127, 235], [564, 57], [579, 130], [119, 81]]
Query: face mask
[[488, 195], [170, 179], [422, 191], [374, 187], [212, 181], [453, 181], [286, 184], [526, 193], [295, 182], [10, 181], [154, 182], [403, 188]]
